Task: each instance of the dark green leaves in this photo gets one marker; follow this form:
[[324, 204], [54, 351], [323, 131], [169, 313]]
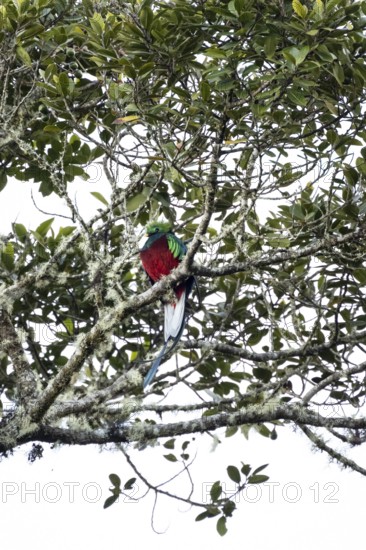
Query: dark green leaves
[[300, 9], [170, 457], [221, 526], [115, 480], [99, 197], [117, 490], [216, 491], [257, 479], [43, 229], [20, 231], [224, 501], [234, 474], [129, 484], [7, 256]]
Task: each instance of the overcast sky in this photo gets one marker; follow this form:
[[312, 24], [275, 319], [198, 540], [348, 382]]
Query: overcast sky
[[57, 501]]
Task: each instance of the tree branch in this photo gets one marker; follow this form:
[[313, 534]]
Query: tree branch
[[327, 243], [10, 343], [144, 432], [320, 444]]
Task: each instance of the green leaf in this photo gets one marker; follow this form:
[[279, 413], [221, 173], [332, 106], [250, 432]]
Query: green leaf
[[296, 55], [202, 516], [46, 188], [110, 500], [20, 231], [338, 73], [228, 508], [24, 56], [69, 325], [146, 69], [299, 9], [171, 457], [65, 231], [262, 374], [257, 479], [32, 30], [133, 203], [147, 17], [215, 53], [74, 170], [211, 512], [259, 469], [318, 9], [215, 491], [360, 275], [270, 45], [169, 444], [129, 484], [44, 227], [263, 430], [234, 474], [301, 54], [246, 469], [256, 337], [7, 256], [232, 7], [221, 526], [230, 431], [97, 23], [63, 83], [205, 90], [100, 197], [324, 54], [115, 480], [50, 129], [3, 179]]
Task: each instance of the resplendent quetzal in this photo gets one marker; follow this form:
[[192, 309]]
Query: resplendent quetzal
[[162, 252]]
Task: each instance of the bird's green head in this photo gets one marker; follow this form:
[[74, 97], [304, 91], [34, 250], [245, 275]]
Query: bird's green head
[[157, 227]]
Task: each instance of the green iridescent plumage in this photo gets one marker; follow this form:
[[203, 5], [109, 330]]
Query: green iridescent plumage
[[158, 227], [176, 246]]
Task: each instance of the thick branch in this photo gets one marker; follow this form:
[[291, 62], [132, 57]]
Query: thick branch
[[305, 350], [328, 243], [145, 431], [10, 343]]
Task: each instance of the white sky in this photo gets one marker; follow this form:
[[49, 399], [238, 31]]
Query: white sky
[[310, 503]]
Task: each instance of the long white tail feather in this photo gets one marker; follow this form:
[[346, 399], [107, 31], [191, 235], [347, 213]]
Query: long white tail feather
[[168, 316], [173, 317]]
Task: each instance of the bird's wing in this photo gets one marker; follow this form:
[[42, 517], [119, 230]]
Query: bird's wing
[[176, 246]]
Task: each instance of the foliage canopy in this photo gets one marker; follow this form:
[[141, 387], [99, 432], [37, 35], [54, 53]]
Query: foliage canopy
[[242, 123]]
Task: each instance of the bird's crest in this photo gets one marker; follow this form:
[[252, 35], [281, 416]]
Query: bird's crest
[[158, 227]]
